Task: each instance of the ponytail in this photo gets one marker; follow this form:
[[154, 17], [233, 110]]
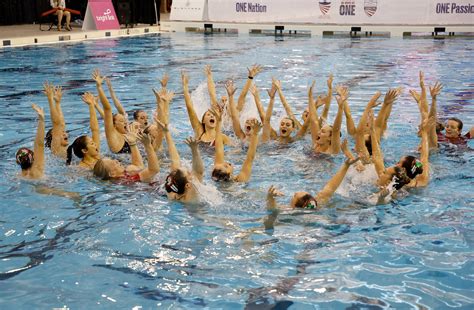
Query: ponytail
[[69, 154]]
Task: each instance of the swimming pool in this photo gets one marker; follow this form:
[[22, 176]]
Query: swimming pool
[[115, 246]]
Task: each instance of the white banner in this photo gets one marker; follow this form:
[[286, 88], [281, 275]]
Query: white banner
[[344, 12], [189, 10]]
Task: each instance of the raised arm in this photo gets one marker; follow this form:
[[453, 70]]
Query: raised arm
[[198, 164], [285, 103], [115, 140], [384, 113], [219, 141], [258, 102], [272, 207], [313, 116], [366, 116], [58, 94], [91, 101], [423, 179], [246, 170], [195, 122], [267, 128], [211, 87], [432, 135], [234, 114], [116, 101], [253, 71], [37, 169], [377, 155], [167, 96], [327, 101], [49, 90], [336, 127], [153, 167], [331, 186], [351, 129]]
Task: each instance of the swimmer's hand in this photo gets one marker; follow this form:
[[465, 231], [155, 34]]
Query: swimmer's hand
[[89, 98], [254, 70], [329, 81], [58, 94], [229, 86], [373, 101], [274, 192], [208, 70], [48, 89], [223, 102], [391, 96], [184, 79], [319, 101], [192, 142], [436, 89], [165, 95], [272, 91], [256, 126], [164, 80], [98, 78], [38, 111], [342, 95], [144, 138], [276, 83], [311, 90]]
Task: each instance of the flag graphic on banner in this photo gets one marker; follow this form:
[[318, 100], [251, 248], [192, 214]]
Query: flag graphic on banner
[[324, 6], [370, 7]]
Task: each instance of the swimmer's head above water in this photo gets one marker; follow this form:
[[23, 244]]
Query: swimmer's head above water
[[25, 158], [107, 168], [222, 172], [83, 146], [179, 186], [303, 200]]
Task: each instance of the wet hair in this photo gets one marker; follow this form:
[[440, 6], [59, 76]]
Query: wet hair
[[439, 127], [368, 144], [301, 203], [457, 120], [220, 175], [77, 146], [48, 138], [401, 178], [136, 113], [25, 158], [202, 121], [176, 182], [412, 166], [101, 171]]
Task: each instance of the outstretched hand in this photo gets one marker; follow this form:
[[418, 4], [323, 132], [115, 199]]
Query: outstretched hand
[[329, 81], [184, 78], [391, 96], [97, 77], [38, 111], [436, 89], [272, 91], [164, 80], [48, 89], [254, 70], [274, 192], [229, 86], [192, 142], [58, 94], [144, 138], [256, 126], [88, 98], [208, 70], [373, 100], [164, 94], [276, 83], [342, 94]]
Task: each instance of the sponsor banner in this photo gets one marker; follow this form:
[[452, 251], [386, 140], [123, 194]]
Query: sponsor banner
[[189, 10], [100, 15], [341, 12]]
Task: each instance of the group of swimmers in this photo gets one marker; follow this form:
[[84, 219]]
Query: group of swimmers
[[180, 182]]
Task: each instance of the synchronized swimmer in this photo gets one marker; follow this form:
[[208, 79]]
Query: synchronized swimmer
[[181, 183]]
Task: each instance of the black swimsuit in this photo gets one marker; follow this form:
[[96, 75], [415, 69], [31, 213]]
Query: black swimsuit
[[125, 149]]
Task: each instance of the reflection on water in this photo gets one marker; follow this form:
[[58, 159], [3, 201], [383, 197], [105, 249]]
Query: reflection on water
[[72, 240]]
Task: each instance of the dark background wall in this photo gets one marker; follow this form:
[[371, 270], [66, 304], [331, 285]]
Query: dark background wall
[[14, 12]]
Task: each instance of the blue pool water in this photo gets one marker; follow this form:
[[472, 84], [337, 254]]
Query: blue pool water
[[123, 247]]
